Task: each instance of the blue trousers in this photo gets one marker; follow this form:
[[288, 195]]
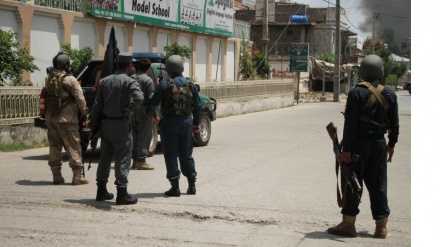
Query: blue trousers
[[177, 146], [371, 170]]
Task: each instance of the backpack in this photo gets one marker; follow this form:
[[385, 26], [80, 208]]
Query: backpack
[[54, 94], [179, 99]]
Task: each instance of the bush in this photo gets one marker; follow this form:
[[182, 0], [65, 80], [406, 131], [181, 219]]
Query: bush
[[391, 79]]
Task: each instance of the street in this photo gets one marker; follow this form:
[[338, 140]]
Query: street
[[265, 179]]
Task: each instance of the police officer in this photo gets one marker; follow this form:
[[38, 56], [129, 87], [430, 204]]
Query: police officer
[[181, 115], [367, 119], [142, 119], [66, 106], [118, 95]]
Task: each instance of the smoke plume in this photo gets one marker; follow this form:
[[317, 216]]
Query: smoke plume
[[393, 14]]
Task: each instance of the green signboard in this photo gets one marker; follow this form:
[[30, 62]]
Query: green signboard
[[203, 16], [299, 57]]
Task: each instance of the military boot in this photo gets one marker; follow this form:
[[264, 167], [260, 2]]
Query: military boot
[[78, 178], [381, 228], [133, 166], [57, 177], [191, 186], [345, 228], [123, 198], [174, 191], [102, 194], [143, 165]]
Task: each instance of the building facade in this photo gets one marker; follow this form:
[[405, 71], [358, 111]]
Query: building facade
[[46, 24]]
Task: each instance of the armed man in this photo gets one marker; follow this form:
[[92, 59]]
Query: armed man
[[371, 111], [181, 116], [66, 106], [118, 95]]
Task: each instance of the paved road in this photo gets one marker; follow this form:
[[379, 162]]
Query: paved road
[[266, 179]]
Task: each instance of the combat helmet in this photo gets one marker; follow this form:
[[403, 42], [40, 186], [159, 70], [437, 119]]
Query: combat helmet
[[174, 64], [371, 67], [60, 60]]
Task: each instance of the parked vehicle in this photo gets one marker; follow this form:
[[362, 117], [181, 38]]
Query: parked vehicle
[[407, 86], [89, 78]]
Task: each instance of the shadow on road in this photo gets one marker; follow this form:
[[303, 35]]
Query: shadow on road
[[149, 195], [104, 205], [325, 235], [33, 183]]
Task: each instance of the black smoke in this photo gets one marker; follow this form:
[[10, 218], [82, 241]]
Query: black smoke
[[393, 14]]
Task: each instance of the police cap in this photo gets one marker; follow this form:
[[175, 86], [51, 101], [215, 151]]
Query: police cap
[[125, 57]]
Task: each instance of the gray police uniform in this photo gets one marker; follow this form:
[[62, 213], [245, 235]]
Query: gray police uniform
[[116, 92], [142, 119]]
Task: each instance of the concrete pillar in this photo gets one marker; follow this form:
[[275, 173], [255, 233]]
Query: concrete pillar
[[130, 31], [209, 64], [67, 22], [193, 55], [154, 35], [24, 18], [101, 24], [224, 49]]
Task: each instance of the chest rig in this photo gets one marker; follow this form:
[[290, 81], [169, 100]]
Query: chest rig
[[178, 100]]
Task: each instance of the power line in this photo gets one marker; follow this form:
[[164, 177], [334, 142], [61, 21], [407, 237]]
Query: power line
[[381, 4], [403, 17]]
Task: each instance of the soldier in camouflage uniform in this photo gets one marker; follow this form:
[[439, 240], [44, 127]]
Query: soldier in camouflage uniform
[[181, 116], [66, 106], [118, 95]]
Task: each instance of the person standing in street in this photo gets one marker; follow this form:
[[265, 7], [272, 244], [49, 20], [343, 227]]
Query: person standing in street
[[118, 95], [66, 107], [142, 119], [181, 116], [371, 111]]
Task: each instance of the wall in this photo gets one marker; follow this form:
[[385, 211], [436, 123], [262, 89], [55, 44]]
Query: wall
[[45, 29]]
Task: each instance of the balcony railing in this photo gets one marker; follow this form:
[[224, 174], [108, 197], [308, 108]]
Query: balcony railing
[[19, 105], [70, 5]]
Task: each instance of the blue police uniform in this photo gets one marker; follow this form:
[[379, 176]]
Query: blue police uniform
[[176, 132], [367, 140]]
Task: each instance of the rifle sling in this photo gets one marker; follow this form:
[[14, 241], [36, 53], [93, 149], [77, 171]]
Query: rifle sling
[[378, 95]]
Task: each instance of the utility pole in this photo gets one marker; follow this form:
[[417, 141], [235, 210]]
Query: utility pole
[[265, 39], [336, 84], [373, 39]]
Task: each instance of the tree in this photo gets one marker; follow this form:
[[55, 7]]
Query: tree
[[176, 49], [79, 58], [327, 57], [13, 59], [388, 38], [259, 62], [245, 71]]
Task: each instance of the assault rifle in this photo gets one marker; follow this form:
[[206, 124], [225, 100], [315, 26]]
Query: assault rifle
[[348, 177]]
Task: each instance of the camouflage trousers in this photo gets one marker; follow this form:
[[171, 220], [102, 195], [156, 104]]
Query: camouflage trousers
[[64, 135]]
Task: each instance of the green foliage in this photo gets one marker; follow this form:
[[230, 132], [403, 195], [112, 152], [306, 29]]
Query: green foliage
[[245, 71], [13, 59], [176, 49], [401, 69], [328, 57], [259, 62], [21, 146], [388, 38], [79, 58], [391, 79]]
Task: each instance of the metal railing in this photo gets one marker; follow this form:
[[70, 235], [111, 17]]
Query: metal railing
[[70, 5], [19, 105], [247, 89]]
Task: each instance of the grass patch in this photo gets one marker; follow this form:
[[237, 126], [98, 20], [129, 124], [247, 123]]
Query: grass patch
[[20, 147]]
